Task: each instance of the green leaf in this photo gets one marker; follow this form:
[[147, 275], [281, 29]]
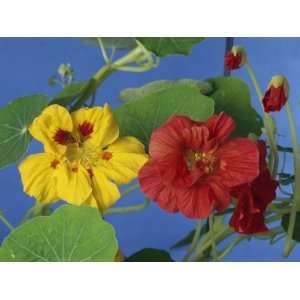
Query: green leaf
[[132, 94], [14, 121], [285, 224], [70, 234], [70, 92], [112, 42], [163, 46], [140, 118], [150, 255], [232, 96]]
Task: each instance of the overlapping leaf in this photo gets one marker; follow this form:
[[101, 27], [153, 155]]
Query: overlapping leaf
[[15, 119]]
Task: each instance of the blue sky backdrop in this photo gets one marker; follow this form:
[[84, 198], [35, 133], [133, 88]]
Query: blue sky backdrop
[[26, 64]]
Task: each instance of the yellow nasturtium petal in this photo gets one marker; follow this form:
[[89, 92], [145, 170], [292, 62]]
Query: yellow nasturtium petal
[[73, 183], [122, 160], [105, 193], [53, 128], [95, 125], [38, 175]]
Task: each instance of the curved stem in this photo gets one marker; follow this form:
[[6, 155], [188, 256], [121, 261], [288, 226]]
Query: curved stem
[[268, 123], [103, 50], [6, 222], [213, 244], [296, 201], [130, 189], [194, 241], [230, 247], [116, 210]]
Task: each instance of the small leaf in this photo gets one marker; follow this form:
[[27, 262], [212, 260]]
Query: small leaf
[[232, 96], [70, 92], [150, 255], [163, 46], [286, 179], [132, 94], [112, 42], [285, 149], [285, 224], [70, 234], [15, 119], [140, 118]]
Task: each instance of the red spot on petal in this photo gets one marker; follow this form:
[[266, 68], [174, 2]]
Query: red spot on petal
[[54, 163], [86, 128], [107, 155], [63, 137], [74, 169], [90, 171]]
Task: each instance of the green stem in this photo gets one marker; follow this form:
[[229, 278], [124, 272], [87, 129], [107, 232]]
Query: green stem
[[213, 244], [6, 222], [296, 201], [116, 210], [230, 247], [130, 189], [194, 241], [268, 123], [103, 50]]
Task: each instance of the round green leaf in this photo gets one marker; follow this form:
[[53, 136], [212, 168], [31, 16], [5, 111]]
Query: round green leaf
[[163, 46], [232, 96], [132, 94], [70, 234], [285, 224], [140, 118], [150, 255], [14, 121]]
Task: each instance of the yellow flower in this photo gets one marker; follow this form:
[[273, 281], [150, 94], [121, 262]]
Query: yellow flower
[[84, 158]]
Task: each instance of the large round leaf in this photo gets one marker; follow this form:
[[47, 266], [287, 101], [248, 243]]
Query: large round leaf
[[112, 42], [163, 46], [132, 94], [140, 118], [232, 96], [150, 255], [70, 234], [14, 121]]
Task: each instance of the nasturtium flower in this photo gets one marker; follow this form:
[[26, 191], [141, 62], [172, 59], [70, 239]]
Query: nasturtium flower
[[194, 165], [84, 158], [235, 58], [253, 199], [277, 94]]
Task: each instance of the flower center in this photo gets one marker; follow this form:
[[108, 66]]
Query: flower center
[[203, 160]]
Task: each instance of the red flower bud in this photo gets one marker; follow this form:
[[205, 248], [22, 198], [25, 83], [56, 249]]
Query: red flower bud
[[235, 58], [276, 94]]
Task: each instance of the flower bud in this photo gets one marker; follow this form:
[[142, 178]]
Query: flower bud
[[235, 58], [276, 94]]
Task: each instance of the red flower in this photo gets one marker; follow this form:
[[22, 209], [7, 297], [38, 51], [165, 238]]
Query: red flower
[[253, 199], [235, 58], [276, 94], [193, 165]]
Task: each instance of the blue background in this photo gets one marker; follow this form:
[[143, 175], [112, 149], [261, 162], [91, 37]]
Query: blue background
[[26, 64]]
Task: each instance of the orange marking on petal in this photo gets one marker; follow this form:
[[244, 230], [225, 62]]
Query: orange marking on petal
[[86, 128], [90, 171], [54, 163], [107, 155]]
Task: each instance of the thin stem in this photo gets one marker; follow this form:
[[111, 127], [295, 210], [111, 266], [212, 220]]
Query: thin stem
[[194, 241], [213, 244], [6, 222], [103, 50], [268, 123], [230, 247], [296, 202], [116, 210], [130, 189]]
